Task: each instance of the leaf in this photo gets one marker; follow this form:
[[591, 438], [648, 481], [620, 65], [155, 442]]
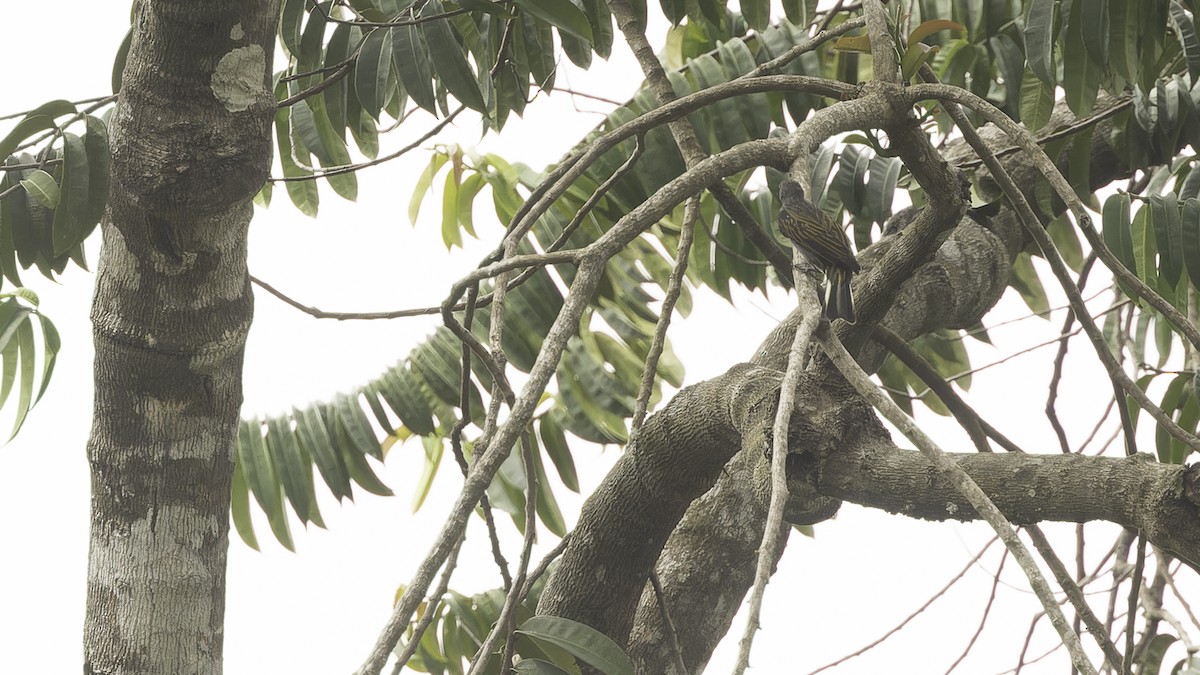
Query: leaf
[[1116, 224], [95, 144], [1168, 234], [354, 421], [582, 641], [240, 508], [1185, 32], [1081, 76], [757, 13], [882, 187], [32, 124], [25, 350], [451, 62], [423, 182], [372, 74], [118, 73], [930, 27], [41, 186], [303, 193], [555, 443], [293, 467], [315, 438], [1095, 29], [1026, 282], [1039, 39], [562, 14], [51, 344], [1037, 102], [434, 447], [71, 224], [1190, 235], [411, 57], [538, 667]]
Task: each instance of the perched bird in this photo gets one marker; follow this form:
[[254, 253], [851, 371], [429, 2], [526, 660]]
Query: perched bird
[[825, 244]]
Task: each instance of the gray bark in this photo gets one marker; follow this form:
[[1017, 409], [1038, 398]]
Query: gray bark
[[191, 147], [707, 564]]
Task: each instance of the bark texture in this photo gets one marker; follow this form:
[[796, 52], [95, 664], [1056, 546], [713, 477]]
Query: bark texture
[[191, 146], [707, 563]]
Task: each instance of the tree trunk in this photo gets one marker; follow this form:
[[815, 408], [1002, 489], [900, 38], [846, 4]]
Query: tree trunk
[[191, 146]]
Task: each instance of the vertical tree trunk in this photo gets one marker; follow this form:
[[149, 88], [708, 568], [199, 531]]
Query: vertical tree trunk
[[191, 146]]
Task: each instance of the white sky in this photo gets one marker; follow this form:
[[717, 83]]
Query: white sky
[[319, 610]]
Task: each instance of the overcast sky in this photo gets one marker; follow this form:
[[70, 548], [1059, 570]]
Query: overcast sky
[[320, 609]]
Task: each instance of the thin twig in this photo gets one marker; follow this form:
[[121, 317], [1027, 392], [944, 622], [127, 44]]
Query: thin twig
[[987, 610], [508, 614], [956, 476], [1120, 380], [1135, 590], [683, 252], [917, 612], [349, 168], [774, 531], [431, 610]]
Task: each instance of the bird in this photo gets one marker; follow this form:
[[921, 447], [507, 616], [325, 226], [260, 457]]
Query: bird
[[825, 244]]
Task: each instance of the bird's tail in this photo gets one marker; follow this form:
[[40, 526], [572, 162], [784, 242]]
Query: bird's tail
[[840, 302]]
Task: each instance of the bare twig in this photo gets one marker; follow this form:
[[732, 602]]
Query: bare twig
[[917, 612], [690, 215], [967, 487], [431, 610], [672, 632], [774, 531]]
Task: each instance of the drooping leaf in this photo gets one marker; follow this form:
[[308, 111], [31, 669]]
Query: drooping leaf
[[582, 641], [562, 14]]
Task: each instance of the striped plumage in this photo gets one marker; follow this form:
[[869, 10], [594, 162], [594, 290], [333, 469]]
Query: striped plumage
[[825, 244]]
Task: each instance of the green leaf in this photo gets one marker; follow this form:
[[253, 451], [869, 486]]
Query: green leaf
[[41, 186], [538, 667], [303, 193], [1096, 30], [95, 145], [71, 224], [1026, 282], [555, 443], [25, 349], [1190, 236], [118, 72], [757, 13], [1037, 102], [293, 467], [1039, 39], [411, 57], [434, 447], [240, 508], [352, 418], [315, 438], [436, 161], [451, 62], [372, 74], [451, 235], [357, 466], [1168, 234], [51, 344], [562, 14], [32, 124], [881, 189], [1141, 232], [1185, 32], [582, 641], [1081, 76], [1116, 229], [545, 503]]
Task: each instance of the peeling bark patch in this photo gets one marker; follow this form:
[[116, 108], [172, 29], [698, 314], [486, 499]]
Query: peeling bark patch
[[236, 33], [237, 81]]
